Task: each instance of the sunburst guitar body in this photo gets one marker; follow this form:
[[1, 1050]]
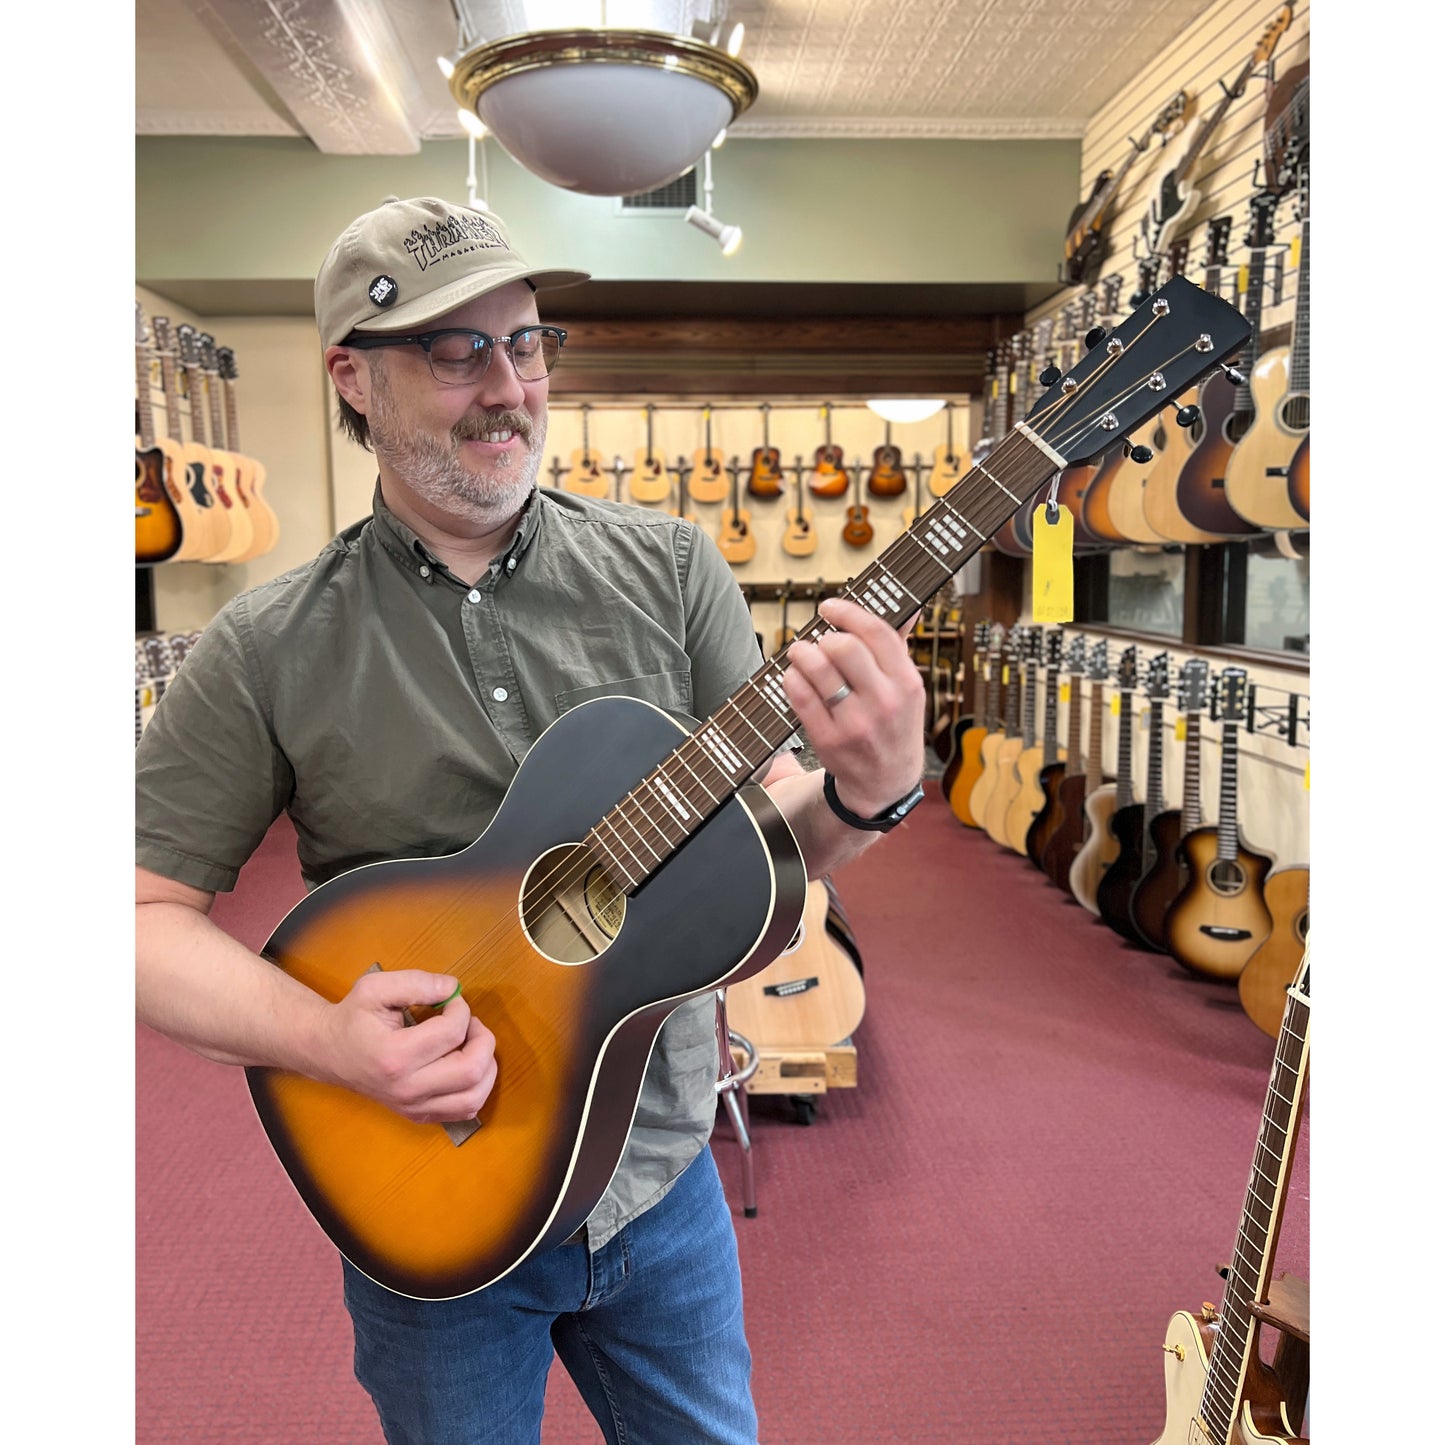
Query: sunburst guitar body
[[1220, 916]]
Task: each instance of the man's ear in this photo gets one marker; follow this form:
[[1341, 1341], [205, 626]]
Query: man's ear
[[350, 375]]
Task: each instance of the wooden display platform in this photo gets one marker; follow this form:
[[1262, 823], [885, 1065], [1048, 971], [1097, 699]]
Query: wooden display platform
[[801, 1071]]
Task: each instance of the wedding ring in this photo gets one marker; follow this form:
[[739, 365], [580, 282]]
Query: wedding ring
[[838, 696]]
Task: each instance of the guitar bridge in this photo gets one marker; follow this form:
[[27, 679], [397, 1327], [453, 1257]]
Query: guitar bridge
[[1223, 934], [793, 986]]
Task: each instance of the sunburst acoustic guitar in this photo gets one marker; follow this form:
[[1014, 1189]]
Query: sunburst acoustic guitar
[[591, 905], [765, 475], [159, 527], [829, 476], [886, 477], [857, 529]]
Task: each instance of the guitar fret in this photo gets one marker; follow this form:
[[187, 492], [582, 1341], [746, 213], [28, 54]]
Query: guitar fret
[[641, 838], [771, 691], [717, 742], [882, 593], [680, 806], [626, 871], [1017, 501]]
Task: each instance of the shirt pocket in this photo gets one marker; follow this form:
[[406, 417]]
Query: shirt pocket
[[671, 691]]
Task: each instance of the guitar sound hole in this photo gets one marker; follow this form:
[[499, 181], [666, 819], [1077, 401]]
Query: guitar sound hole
[[1236, 426], [1295, 413], [1227, 877], [571, 908], [1302, 925]]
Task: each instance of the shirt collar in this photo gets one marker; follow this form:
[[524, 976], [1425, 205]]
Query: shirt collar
[[414, 554]]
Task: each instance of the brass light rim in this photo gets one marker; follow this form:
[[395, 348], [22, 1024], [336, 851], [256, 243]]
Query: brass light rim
[[485, 65]]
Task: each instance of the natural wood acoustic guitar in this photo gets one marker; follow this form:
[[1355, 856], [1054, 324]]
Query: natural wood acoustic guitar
[[1068, 761], [584, 472], [765, 476], [212, 470], [987, 722], [1220, 916], [1100, 847], [229, 471], [648, 482], [265, 525], [948, 719], [1266, 977], [206, 526], [949, 462], [1083, 778], [1036, 754], [958, 752], [829, 476], [632, 865], [159, 526], [736, 538], [1022, 739], [1217, 1387], [1000, 750], [800, 536], [707, 482]]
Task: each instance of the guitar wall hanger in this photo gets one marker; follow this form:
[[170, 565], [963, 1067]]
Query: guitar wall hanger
[[1285, 722]]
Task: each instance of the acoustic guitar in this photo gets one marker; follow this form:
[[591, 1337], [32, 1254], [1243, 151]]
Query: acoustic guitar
[[958, 751], [1266, 976], [205, 525], [735, 526], [706, 482], [228, 470], [948, 718], [765, 478], [1163, 880], [949, 464], [159, 528], [1220, 916], [857, 529], [265, 525], [1020, 706], [1256, 477], [1178, 194], [647, 483], [591, 905], [1299, 479], [584, 473], [1036, 756], [1007, 736], [1132, 825], [829, 476], [1217, 1388], [800, 537], [1100, 846], [886, 479], [682, 471], [915, 508], [986, 724], [1069, 763], [1081, 781], [214, 473]]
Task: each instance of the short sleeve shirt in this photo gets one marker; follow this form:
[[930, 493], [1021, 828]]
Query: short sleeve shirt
[[385, 706]]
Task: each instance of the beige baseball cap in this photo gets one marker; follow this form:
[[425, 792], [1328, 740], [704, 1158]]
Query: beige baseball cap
[[408, 262]]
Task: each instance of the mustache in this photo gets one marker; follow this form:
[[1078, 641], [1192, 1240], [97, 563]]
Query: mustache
[[474, 428]]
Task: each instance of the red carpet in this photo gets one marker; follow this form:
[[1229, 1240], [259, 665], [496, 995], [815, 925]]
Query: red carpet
[[1045, 1157]]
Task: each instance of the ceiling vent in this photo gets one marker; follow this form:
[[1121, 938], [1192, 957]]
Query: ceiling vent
[[676, 196]]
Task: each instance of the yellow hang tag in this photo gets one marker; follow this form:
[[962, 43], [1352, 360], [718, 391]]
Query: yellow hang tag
[[1294, 250], [1013, 383], [1053, 565], [1307, 775], [993, 389], [1243, 282], [1005, 674], [1181, 730], [1114, 704], [1065, 692]]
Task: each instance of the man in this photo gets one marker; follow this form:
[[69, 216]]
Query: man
[[383, 695]]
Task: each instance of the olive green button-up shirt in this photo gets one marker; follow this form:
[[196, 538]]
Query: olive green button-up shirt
[[385, 705]]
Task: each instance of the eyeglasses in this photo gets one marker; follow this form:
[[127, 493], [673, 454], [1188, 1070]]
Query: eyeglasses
[[458, 357]]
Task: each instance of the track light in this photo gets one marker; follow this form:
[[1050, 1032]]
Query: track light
[[471, 124], [728, 237], [447, 68]]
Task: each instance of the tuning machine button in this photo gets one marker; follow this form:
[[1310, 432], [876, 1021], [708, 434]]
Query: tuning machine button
[[1049, 375], [1185, 415], [1095, 335]]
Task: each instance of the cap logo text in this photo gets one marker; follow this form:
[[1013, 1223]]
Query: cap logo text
[[452, 237]]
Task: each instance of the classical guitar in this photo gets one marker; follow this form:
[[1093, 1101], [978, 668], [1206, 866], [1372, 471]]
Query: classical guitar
[[886, 479], [1074, 481], [159, 527], [1036, 755], [800, 537], [1132, 825], [584, 472], [1083, 778], [1068, 763], [1084, 239], [265, 525], [829, 476], [1100, 846], [1007, 737], [765, 478], [1266, 976], [1178, 193], [1256, 477], [1162, 881], [1217, 1388], [857, 529], [958, 751], [228, 471], [1220, 916], [949, 463], [590, 907], [206, 527], [213, 472], [986, 724], [707, 483], [1177, 433], [735, 526], [647, 482]]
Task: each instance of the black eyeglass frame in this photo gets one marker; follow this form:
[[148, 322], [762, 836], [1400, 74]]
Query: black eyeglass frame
[[425, 339]]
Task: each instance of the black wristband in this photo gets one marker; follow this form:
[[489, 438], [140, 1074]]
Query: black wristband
[[883, 822]]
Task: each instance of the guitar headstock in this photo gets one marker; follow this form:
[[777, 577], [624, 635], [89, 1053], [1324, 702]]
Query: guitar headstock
[[1112, 286], [226, 361], [1156, 684], [1148, 279], [1054, 648], [1172, 114], [1033, 644], [1262, 206], [980, 636], [1076, 658], [1265, 47], [142, 332], [161, 325], [1230, 691], [1135, 370], [1216, 241], [995, 638], [208, 353], [1128, 674], [1193, 685], [1099, 661], [189, 346], [1176, 263]]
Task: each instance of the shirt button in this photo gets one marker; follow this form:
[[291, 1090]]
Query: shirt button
[[474, 595], [499, 694], [511, 564], [425, 571]]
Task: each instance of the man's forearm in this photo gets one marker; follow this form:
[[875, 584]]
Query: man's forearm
[[827, 842]]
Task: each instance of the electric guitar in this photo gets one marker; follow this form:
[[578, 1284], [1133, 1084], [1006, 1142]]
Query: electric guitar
[[1083, 778], [590, 907], [1178, 193], [205, 524], [159, 527], [1036, 756], [886, 478], [766, 477], [1131, 825], [227, 470], [735, 537], [1217, 1389], [584, 474], [800, 537], [1266, 976], [857, 529], [829, 477], [949, 464], [987, 723], [1100, 846], [1069, 763], [265, 525], [648, 481], [1163, 880], [1220, 916]]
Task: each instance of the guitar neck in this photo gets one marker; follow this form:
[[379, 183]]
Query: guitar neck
[[1229, 791], [1190, 158], [1029, 684], [1154, 784], [233, 428], [1299, 349], [1254, 313], [1075, 762], [143, 398], [1051, 715], [1095, 774], [1192, 813], [1124, 770]]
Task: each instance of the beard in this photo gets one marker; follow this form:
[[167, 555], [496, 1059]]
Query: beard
[[433, 468]]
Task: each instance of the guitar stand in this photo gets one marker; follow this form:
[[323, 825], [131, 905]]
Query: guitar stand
[[731, 1083]]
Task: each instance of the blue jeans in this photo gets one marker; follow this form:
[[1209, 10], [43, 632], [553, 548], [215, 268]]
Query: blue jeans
[[650, 1328]]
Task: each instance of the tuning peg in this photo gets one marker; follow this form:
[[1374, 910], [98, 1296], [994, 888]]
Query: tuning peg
[[1234, 374], [1138, 454], [1049, 375], [1186, 415], [1094, 337]]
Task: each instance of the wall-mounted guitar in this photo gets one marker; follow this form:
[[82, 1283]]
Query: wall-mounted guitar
[[682, 471], [1036, 755], [647, 482], [1256, 477], [1165, 878], [886, 479], [606, 857], [1069, 761], [1266, 976], [857, 529], [706, 482], [265, 524], [1082, 779], [1100, 847], [1220, 916], [829, 477], [800, 537], [199, 454], [916, 507], [949, 463], [1132, 826], [1178, 193], [223, 462], [736, 539], [206, 526], [584, 473], [1084, 240], [986, 724], [159, 527], [765, 477], [1074, 481]]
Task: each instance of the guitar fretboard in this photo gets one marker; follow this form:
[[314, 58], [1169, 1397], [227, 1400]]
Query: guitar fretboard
[[1299, 350], [1192, 813], [1051, 716], [1124, 787], [1074, 763], [1229, 791]]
